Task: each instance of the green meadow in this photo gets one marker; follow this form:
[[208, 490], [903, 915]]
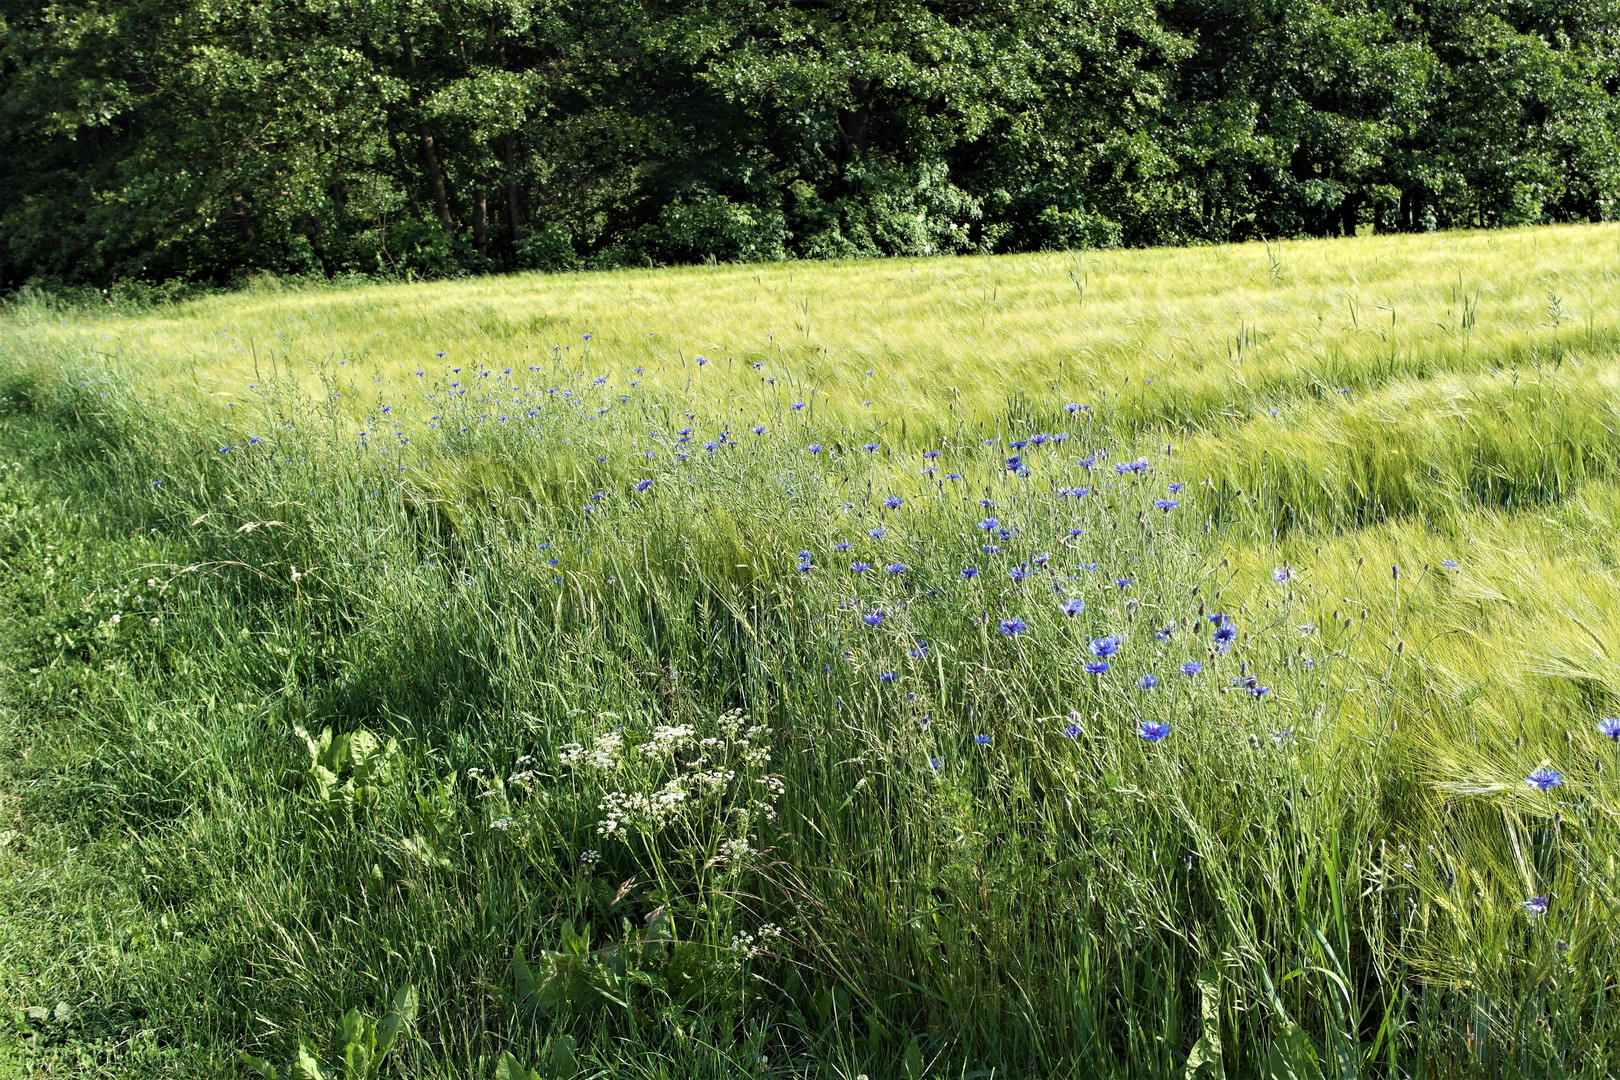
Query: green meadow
[[1181, 663]]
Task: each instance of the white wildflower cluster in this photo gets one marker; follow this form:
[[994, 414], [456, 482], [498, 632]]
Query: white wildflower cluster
[[525, 776], [590, 858], [735, 849], [722, 768], [668, 739], [770, 790], [601, 757], [646, 811], [751, 945], [710, 781]]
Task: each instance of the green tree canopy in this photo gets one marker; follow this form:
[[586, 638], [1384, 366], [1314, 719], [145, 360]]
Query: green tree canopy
[[200, 140]]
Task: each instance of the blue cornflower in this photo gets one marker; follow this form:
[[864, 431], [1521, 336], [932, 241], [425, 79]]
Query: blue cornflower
[[815, 448], [1012, 626], [1019, 572], [930, 455], [1042, 559], [873, 618], [804, 560], [920, 652], [970, 572], [1191, 667], [1097, 667], [1166, 505], [1148, 682], [1104, 646], [1544, 779], [842, 545], [893, 502], [797, 405], [1072, 731], [982, 740], [1259, 691], [1536, 905], [700, 361], [1165, 633], [643, 485], [936, 763], [711, 446], [871, 447], [1283, 574], [1076, 531], [759, 429], [991, 549], [1088, 462], [1610, 726], [1073, 606], [1225, 632], [1449, 564], [897, 568], [1015, 463], [1153, 730], [878, 533], [1175, 487], [1124, 582], [989, 524], [888, 676], [1071, 408], [860, 567]]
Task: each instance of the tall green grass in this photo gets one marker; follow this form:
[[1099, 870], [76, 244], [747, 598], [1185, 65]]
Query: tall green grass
[[296, 716]]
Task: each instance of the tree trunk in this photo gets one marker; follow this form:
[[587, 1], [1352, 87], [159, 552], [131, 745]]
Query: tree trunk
[[430, 155], [239, 210], [436, 181], [481, 226], [514, 208], [853, 123], [399, 163]]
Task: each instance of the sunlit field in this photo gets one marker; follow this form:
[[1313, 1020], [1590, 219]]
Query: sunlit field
[[1173, 663]]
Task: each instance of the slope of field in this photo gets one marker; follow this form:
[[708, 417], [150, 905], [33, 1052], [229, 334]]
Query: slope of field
[[1173, 663]]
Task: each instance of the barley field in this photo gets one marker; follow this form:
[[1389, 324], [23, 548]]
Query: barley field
[[1175, 663]]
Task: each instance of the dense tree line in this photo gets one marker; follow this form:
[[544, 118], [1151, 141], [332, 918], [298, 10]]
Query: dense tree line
[[201, 139]]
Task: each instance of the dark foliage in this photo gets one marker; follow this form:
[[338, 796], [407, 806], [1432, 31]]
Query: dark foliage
[[199, 141]]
